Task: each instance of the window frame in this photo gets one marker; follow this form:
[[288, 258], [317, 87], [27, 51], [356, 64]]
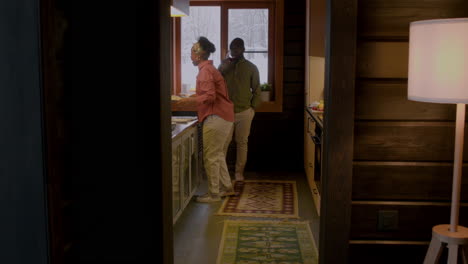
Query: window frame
[[275, 45]]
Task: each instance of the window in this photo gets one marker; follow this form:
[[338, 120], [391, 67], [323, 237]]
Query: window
[[203, 21], [251, 25], [259, 24]]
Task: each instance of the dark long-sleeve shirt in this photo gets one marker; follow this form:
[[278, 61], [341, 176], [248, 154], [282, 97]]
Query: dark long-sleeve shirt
[[243, 83]]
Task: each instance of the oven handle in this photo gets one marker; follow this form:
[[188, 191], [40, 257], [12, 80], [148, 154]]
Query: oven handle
[[316, 140]]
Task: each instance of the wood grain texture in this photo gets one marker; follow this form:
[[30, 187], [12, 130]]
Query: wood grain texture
[[382, 59], [294, 61], [415, 220], [422, 181], [405, 141], [388, 100], [383, 18], [293, 75], [336, 182], [317, 28]]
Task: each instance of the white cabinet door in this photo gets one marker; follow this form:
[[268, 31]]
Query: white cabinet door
[[185, 176], [176, 201], [195, 177], [185, 167]]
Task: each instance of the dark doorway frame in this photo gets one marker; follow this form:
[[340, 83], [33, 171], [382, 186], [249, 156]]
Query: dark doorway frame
[[163, 69], [340, 60], [338, 124]]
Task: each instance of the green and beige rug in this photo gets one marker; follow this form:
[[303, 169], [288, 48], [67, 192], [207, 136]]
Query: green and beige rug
[[267, 242], [262, 198]]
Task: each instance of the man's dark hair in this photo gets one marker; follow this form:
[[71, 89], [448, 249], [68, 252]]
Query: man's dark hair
[[206, 46], [238, 42]]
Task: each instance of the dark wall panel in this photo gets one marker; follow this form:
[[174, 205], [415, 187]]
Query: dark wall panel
[[405, 141], [403, 150], [384, 18], [413, 223], [424, 181], [387, 253], [23, 219], [388, 100], [276, 141]]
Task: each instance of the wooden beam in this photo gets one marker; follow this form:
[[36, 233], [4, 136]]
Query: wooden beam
[[340, 59]]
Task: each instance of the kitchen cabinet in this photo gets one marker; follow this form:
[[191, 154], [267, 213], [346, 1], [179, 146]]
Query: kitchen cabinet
[[312, 155], [185, 166]]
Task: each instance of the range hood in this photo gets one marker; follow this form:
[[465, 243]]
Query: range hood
[[180, 8]]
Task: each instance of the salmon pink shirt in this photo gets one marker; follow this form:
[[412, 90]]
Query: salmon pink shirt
[[212, 94]]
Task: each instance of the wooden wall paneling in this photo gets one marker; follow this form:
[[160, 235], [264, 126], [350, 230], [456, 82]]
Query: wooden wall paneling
[[382, 59], [296, 88], [415, 219], [294, 34], [383, 18], [293, 75], [403, 150], [405, 141], [421, 181], [294, 61], [387, 252], [317, 28], [294, 48], [268, 127], [291, 101], [388, 100]]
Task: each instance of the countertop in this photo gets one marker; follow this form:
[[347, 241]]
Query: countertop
[[180, 127], [317, 116]]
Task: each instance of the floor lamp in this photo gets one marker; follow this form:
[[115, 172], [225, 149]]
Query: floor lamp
[[438, 73]]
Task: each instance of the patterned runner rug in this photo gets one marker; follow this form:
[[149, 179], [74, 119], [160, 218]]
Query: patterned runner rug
[[262, 198], [267, 242]]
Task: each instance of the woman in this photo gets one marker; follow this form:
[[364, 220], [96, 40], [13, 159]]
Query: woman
[[216, 113]]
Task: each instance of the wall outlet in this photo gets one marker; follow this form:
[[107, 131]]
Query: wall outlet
[[387, 220]]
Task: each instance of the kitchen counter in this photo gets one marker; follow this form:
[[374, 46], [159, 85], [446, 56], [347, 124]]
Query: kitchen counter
[[317, 116], [180, 127]]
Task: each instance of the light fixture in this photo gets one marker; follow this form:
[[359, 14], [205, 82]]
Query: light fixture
[[180, 8], [438, 73]]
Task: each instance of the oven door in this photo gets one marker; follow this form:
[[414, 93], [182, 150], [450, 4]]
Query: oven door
[[317, 139]]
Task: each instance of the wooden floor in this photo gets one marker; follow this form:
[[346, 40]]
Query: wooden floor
[[197, 232]]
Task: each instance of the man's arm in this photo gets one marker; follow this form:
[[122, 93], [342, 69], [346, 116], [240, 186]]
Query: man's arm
[[255, 85]]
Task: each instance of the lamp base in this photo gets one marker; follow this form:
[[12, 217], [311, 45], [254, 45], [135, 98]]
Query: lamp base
[[455, 241]]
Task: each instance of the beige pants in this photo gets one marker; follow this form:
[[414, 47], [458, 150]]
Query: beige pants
[[215, 138], [241, 131]]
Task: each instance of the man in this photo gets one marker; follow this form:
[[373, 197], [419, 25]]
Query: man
[[243, 83]]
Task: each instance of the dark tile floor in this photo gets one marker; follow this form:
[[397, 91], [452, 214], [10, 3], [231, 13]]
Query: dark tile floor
[[197, 232]]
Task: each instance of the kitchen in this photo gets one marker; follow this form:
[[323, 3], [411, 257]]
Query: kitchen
[[377, 62], [386, 170], [281, 115]]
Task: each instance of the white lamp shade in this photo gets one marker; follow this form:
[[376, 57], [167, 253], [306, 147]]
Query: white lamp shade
[[438, 61]]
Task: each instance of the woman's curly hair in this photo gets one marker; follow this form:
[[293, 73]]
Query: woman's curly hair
[[206, 46]]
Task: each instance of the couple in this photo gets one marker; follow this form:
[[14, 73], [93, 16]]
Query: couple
[[219, 115]]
